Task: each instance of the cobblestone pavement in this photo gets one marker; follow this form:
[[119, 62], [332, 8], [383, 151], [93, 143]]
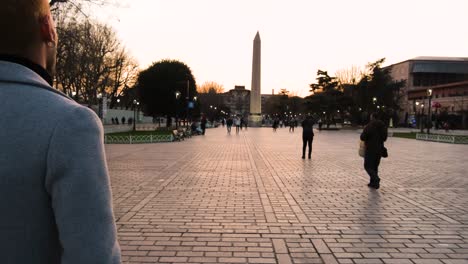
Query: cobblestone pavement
[[250, 198]]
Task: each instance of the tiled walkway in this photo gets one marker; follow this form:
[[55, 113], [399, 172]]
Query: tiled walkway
[[250, 198]]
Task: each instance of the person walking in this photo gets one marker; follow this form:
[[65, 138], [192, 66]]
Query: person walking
[[275, 125], [56, 200], [307, 136], [238, 124], [203, 122], [292, 125], [374, 135], [229, 123]]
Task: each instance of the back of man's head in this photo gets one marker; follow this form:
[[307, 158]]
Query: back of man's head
[[20, 25]]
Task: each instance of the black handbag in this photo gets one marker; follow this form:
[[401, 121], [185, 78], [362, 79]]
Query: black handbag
[[384, 152]]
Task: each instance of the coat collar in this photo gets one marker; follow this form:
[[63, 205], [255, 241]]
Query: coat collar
[[29, 64], [15, 73]]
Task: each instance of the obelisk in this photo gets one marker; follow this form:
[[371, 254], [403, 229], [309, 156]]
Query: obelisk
[[255, 117]]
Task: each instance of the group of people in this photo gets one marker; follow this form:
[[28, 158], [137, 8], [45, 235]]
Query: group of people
[[199, 128], [237, 121], [279, 123], [115, 121]]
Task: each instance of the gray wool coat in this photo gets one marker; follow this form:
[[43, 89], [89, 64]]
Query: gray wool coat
[[55, 197]]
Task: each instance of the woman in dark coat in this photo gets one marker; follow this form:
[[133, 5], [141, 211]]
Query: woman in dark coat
[[374, 135]]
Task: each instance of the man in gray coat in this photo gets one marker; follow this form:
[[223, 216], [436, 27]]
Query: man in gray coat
[[55, 198]]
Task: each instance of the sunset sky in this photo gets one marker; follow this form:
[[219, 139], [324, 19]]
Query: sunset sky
[[215, 37]]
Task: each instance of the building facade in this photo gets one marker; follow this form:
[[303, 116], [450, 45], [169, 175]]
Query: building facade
[[445, 77], [238, 101]]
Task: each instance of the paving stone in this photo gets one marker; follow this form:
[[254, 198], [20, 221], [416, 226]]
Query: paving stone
[[250, 198]]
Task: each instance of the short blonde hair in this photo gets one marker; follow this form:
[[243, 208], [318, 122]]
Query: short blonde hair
[[19, 24]]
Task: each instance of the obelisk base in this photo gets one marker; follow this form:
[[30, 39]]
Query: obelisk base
[[255, 120]]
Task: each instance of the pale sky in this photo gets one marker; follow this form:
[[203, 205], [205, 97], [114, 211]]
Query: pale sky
[[215, 37]]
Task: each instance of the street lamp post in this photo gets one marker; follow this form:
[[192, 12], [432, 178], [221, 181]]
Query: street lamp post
[[416, 112], [188, 100], [100, 106], [422, 118], [429, 121], [177, 95], [135, 104]]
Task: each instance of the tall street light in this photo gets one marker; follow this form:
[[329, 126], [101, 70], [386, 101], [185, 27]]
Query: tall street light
[[429, 122], [416, 112], [135, 104], [422, 118], [188, 101], [100, 106], [177, 96]]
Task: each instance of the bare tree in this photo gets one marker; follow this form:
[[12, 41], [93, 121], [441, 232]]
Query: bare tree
[[91, 60], [284, 92], [54, 4], [210, 87], [124, 75], [350, 76]]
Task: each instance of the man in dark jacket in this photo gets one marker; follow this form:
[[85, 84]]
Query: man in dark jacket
[[374, 135], [307, 135]]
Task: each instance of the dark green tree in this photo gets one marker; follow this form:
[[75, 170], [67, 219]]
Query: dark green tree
[[326, 97], [378, 92], [158, 85]]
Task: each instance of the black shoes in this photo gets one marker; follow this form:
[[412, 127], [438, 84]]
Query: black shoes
[[303, 157], [373, 185]]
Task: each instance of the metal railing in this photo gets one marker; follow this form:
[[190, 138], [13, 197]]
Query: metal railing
[[109, 139], [454, 139]]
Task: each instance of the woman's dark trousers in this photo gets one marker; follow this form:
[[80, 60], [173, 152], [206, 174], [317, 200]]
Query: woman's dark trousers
[[307, 140], [371, 165]]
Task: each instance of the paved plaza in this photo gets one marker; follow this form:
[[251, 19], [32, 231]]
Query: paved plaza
[[250, 198]]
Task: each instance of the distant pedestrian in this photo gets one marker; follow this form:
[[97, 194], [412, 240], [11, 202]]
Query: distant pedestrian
[[307, 135], [320, 124], [116, 120], [123, 120], [223, 121], [113, 121], [238, 124], [246, 122], [292, 124], [275, 125], [374, 135], [229, 123], [203, 124]]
